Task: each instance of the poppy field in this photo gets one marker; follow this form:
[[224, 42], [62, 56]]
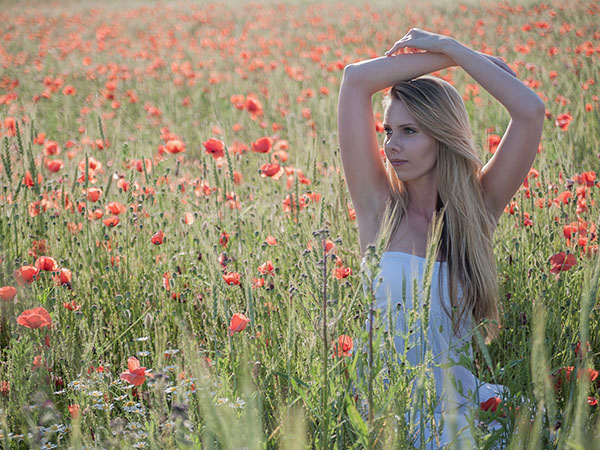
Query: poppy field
[[179, 258]]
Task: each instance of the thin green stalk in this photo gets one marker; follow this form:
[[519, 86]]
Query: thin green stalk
[[325, 385]]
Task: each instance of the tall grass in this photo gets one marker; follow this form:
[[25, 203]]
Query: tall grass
[[280, 382]]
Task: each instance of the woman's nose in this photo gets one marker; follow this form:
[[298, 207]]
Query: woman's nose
[[392, 146]]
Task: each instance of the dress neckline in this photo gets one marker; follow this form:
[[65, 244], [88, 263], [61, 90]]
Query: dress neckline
[[409, 255]]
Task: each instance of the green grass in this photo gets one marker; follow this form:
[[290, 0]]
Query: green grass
[[274, 384]]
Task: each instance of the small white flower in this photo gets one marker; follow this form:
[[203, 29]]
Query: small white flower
[[239, 403], [143, 353], [56, 428], [171, 389], [142, 339], [77, 385], [133, 407], [133, 426], [167, 426], [141, 434], [221, 401]]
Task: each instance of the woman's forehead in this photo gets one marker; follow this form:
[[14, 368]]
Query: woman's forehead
[[397, 113]]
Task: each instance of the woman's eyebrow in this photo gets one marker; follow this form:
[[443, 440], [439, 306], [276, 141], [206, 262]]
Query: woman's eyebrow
[[400, 126]]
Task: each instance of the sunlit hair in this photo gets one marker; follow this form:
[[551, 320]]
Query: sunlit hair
[[466, 239]]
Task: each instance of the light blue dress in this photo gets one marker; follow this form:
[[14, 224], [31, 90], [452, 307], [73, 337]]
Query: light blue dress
[[398, 273]]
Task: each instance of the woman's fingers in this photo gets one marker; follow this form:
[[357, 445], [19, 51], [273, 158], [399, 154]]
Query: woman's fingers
[[500, 63], [398, 45]]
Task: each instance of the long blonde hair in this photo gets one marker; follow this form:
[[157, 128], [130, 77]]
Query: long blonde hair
[[466, 240]]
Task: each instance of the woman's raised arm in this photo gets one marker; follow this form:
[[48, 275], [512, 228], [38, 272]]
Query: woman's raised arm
[[363, 168], [506, 170]]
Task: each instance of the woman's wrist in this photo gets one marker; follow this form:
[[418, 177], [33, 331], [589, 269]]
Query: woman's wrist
[[451, 47]]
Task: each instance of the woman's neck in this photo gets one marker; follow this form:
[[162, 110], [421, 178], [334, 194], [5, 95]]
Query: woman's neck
[[423, 198]]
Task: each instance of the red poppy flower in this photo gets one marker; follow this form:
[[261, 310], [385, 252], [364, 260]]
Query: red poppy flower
[[54, 165], [63, 277], [232, 278], [493, 142], [136, 375], [74, 410], [238, 323], [253, 105], [343, 346], [158, 237], [562, 262], [7, 293], [563, 121], [35, 318], [28, 179], [351, 213], [69, 90], [262, 145], [266, 268], [72, 305], [342, 272], [290, 203], [224, 239], [188, 218], [112, 221], [115, 208], [141, 164], [592, 401], [93, 194], [215, 147], [564, 373], [563, 198], [46, 263], [271, 170], [491, 404], [26, 274], [586, 178], [175, 146], [50, 147], [271, 240]]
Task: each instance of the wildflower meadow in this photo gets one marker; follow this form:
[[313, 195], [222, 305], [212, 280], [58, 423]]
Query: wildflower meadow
[[179, 258]]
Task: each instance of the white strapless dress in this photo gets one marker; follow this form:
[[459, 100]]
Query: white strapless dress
[[456, 399]]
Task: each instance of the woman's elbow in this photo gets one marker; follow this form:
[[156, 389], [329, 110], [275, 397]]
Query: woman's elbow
[[533, 110], [536, 109], [349, 74]]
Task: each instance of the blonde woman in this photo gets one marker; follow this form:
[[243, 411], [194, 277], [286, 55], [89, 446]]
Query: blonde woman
[[432, 166]]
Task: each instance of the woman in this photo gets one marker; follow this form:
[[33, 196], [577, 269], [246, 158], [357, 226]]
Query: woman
[[432, 167]]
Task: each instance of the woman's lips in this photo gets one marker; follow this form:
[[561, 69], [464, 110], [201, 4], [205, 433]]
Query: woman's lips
[[398, 162]]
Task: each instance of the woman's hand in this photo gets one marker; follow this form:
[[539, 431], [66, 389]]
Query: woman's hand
[[436, 43], [422, 40]]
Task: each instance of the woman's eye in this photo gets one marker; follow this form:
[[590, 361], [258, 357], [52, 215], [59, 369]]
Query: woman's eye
[[409, 130], [387, 131]]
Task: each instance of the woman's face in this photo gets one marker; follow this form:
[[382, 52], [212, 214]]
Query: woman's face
[[411, 151]]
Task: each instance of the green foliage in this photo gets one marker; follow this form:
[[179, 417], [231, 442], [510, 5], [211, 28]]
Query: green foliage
[[278, 383]]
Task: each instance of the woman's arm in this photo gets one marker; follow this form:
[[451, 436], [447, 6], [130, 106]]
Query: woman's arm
[[506, 170], [363, 168]]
